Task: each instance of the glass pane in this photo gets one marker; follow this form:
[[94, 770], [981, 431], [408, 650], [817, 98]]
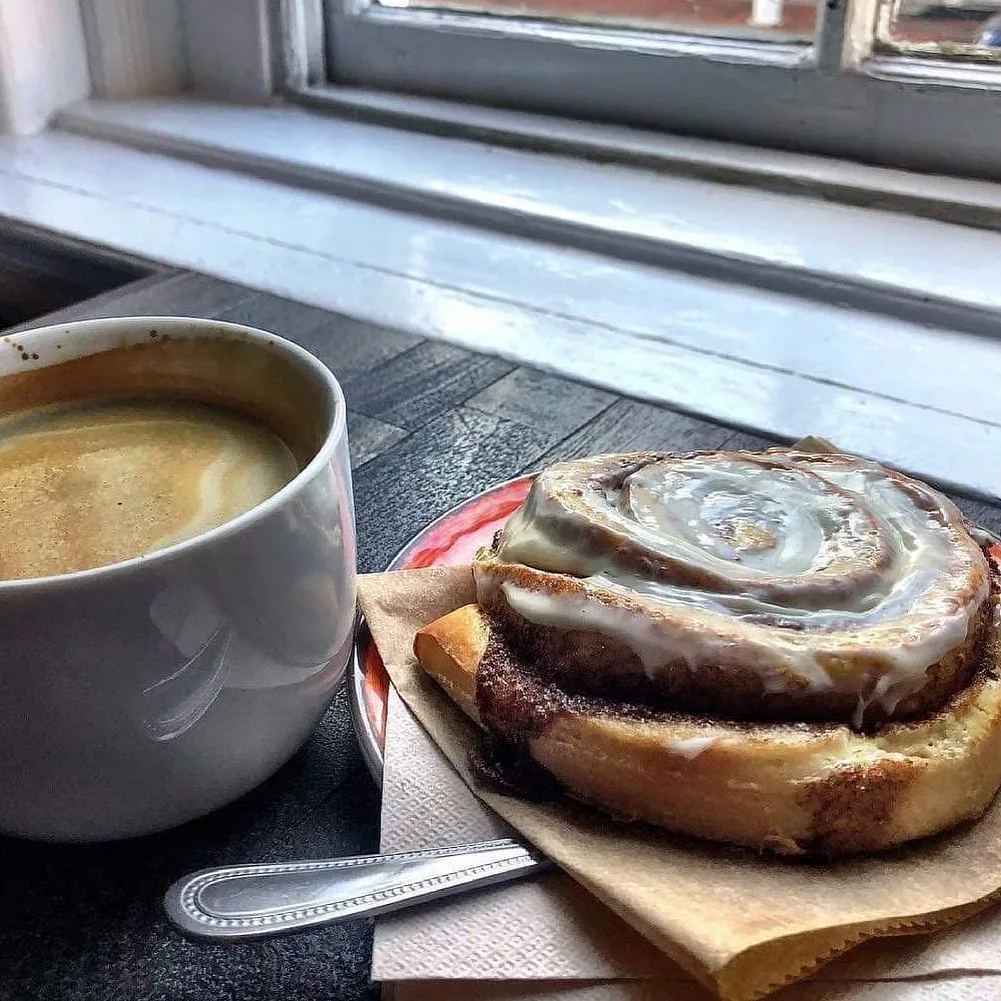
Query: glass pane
[[779, 20], [963, 29]]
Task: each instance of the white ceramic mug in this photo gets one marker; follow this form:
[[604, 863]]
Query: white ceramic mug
[[143, 694]]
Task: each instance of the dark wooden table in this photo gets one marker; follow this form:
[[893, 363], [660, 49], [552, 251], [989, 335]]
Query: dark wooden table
[[429, 425]]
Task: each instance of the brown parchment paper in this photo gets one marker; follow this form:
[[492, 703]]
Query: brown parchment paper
[[540, 929], [548, 939], [741, 924]]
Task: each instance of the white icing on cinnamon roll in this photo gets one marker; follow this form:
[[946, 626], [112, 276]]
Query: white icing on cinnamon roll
[[815, 574]]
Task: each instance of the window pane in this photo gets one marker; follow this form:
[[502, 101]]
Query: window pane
[[780, 20], [965, 29]]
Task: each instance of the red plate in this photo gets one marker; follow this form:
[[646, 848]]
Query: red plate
[[452, 539]]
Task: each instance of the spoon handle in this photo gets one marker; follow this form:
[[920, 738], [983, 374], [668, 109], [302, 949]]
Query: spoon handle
[[248, 901]]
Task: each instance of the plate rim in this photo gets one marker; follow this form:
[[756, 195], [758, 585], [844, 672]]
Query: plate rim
[[371, 749]]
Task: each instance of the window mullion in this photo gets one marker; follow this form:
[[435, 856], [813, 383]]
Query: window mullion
[[829, 39], [859, 31], [297, 33]]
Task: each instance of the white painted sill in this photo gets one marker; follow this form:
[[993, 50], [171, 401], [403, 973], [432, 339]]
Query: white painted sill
[[903, 264], [776, 312]]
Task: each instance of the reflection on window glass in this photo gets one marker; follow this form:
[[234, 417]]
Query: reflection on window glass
[[953, 28], [780, 20]]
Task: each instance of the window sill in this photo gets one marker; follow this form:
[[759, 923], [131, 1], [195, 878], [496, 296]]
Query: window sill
[[777, 312], [948, 199], [782, 241]]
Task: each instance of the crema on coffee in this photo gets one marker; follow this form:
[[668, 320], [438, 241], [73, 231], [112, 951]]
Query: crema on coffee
[[88, 484]]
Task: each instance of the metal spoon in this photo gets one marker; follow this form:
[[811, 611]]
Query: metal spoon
[[248, 901]]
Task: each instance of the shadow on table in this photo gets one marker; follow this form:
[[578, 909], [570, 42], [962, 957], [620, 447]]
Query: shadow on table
[[86, 921]]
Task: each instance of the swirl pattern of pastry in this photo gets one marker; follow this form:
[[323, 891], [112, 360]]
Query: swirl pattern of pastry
[[781, 585], [784, 650]]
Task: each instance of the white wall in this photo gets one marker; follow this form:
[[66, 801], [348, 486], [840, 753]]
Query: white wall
[[43, 61], [229, 49], [136, 47]]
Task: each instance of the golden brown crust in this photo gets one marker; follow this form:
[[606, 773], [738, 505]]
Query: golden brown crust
[[450, 649], [793, 788]]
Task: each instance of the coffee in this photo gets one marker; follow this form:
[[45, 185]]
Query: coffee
[[88, 484]]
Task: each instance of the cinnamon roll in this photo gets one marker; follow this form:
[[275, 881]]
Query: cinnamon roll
[[776, 649]]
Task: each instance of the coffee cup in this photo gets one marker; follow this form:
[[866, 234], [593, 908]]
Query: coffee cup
[[150, 680]]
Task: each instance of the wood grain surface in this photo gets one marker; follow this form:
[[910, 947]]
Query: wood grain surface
[[429, 424]]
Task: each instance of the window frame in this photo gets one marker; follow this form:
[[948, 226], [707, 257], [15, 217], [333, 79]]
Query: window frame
[[833, 96], [836, 96]]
